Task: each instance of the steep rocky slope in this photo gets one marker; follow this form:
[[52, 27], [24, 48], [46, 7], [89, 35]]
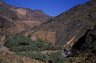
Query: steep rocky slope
[[68, 27], [23, 18], [14, 20], [23, 14], [87, 41], [7, 18], [73, 30]]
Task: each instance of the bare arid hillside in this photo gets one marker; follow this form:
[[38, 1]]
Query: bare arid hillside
[[14, 20], [73, 30], [6, 57], [69, 26], [23, 18], [31, 36]]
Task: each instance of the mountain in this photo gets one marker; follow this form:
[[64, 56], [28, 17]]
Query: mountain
[[23, 18], [65, 29], [72, 33], [24, 14], [14, 20]]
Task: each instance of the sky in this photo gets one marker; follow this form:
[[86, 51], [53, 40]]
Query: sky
[[50, 7]]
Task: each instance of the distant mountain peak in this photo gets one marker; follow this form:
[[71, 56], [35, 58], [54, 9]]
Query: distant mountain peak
[[26, 14], [24, 18]]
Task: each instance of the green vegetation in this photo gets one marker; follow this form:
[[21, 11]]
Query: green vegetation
[[24, 46], [21, 43]]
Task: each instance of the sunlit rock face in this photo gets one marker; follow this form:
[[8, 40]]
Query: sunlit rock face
[[25, 14], [21, 11]]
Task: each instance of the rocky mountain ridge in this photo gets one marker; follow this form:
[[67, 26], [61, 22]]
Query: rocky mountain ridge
[[72, 31], [68, 27], [23, 18]]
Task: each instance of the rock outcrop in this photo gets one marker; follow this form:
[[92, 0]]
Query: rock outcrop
[[87, 41]]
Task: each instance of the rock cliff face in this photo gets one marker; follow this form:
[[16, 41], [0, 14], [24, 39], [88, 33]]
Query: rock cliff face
[[87, 41], [68, 27]]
